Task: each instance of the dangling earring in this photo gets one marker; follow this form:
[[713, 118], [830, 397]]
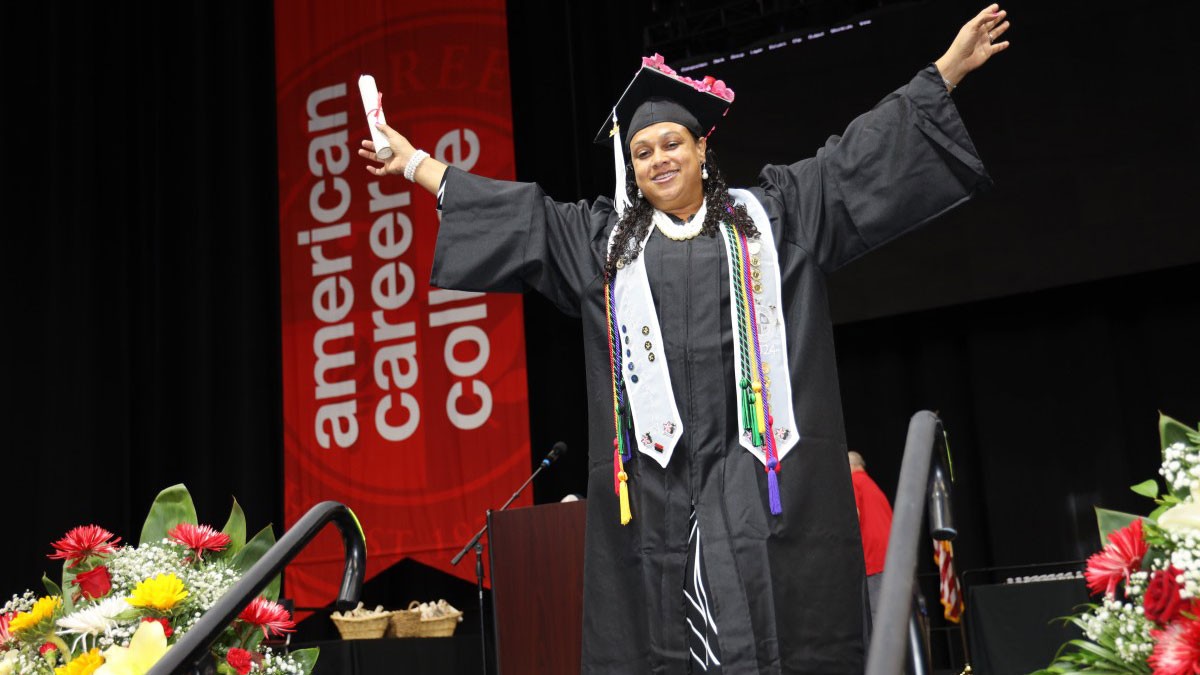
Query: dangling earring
[[704, 171], [640, 195]]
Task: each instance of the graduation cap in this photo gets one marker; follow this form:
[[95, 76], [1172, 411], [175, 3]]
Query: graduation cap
[[658, 94]]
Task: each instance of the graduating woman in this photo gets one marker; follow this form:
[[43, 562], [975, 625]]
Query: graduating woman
[[721, 530]]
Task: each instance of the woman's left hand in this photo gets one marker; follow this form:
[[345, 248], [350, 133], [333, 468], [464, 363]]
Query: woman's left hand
[[976, 42]]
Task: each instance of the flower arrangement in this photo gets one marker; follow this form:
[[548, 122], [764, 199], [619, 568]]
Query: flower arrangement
[[119, 608], [1148, 618]]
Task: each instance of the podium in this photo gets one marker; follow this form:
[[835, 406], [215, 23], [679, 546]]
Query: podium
[[536, 556]]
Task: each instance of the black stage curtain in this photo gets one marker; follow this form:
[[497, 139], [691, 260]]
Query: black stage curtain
[[1050, 401], [141, 261]]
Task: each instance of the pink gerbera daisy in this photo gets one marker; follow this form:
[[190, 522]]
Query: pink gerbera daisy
[[1123, 555], [83, 541], [199, 538], [270, 616], [1176, 648], [5, 636]]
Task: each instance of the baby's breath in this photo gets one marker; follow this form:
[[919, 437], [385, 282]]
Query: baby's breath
[[1125, 624], [277, 664], [20, 603], [1181, 469]]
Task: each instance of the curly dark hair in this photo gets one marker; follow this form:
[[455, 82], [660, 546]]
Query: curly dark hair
[[636, 220]]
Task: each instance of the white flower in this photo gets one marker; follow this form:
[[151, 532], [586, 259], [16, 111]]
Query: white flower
[[1181, 517], [9, 665], [93, 620]]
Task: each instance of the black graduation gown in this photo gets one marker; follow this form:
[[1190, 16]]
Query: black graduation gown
[[787, 590]]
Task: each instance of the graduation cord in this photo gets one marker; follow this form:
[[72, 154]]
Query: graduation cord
[[749, 424], [621, 452], [757, 421], [756, 409]]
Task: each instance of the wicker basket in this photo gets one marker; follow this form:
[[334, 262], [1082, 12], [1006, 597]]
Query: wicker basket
[[408, 623], [404, 622], [362, 627]]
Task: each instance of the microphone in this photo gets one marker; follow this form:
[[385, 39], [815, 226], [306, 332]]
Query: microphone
[[558, 449]]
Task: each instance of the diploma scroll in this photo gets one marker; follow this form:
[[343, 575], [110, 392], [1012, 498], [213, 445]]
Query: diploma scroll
[[373, 105]]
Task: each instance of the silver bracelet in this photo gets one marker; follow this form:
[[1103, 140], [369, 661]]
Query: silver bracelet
[[949, 87], [410, 169]]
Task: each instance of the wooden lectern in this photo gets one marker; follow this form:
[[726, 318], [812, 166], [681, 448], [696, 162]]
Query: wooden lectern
[[536, 558]]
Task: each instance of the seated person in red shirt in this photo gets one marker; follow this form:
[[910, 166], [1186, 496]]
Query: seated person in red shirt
[[874, 521]]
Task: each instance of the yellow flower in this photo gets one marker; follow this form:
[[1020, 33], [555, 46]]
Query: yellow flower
[[42, 610], [84, 664], [162, 592], [148, 645]]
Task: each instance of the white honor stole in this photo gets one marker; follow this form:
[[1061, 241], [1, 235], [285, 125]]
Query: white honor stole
[[656, 420]]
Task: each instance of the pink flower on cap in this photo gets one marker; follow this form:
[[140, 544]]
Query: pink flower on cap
[[658, 63], [708, 85], [719, 89]]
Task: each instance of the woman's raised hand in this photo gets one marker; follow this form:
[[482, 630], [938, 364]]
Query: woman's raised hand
[[977, 41], [402, 150]]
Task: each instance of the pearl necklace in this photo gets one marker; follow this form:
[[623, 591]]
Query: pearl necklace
[[677, 232]]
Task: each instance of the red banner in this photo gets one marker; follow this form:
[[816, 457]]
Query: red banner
[[406, 402]]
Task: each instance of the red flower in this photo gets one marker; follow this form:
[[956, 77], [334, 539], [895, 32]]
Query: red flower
[[167, 630], [1123, 555], [47, 647], [1176, 648], [268, 616], [240, 659], [82, 542], [199, 538], [5, 636], [1162, 603], [94, 584]]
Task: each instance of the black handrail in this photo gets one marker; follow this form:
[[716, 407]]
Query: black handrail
[[187, 654], [921, 471]]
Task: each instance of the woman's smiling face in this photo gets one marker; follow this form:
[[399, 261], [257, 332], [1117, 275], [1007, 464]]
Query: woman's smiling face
[[667, 160]]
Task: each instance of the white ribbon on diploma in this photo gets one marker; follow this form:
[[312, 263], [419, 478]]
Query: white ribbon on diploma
[[373, 105]]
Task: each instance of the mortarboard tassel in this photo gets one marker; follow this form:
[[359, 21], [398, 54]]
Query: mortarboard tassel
[[620, 196]]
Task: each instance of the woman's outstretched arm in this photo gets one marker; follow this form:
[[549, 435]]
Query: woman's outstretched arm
[[428, 173], [975, 43]]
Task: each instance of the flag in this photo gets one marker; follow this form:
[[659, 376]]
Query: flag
[[951, 596]]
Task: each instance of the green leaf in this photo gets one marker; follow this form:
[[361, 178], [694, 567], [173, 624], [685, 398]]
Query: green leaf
[[254, 550], [1105, 654], [271, 592], [68, 575], [1146, 488], [255, 638], [235, 527], [1111, 521], [51, 587], [172, 507], [306, 658], [1171, 431], [1159, 511]]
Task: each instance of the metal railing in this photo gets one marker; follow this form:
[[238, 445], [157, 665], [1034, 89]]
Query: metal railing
[[188, 655], [922, 473]]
